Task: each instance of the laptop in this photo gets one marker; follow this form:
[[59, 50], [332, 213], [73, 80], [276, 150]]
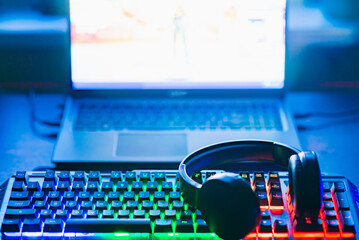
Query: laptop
[[153, 81]]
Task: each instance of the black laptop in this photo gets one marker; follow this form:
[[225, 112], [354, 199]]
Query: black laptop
[[153, 81]]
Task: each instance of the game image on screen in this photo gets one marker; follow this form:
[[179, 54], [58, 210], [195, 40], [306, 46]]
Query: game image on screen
[[177, 44]]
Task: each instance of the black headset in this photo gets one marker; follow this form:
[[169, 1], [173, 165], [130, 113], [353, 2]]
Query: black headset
[[227, 202]]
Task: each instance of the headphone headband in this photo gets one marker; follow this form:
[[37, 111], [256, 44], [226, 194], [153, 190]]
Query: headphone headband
[[229, 152]]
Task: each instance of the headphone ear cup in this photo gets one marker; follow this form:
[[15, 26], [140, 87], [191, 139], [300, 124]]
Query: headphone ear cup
[[229, 206], [305, 184]]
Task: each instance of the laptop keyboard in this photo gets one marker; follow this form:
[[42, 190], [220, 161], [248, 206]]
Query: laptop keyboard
[[196, 115]]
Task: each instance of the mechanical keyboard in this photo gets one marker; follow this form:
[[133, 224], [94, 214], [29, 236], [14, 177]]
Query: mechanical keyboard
[[147, 204], [140, 115]]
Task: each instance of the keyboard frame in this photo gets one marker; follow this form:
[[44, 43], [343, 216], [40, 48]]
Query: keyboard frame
[[353, 200]]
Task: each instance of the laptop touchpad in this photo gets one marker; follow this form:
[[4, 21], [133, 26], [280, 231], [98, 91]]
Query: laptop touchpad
[[153, 145]]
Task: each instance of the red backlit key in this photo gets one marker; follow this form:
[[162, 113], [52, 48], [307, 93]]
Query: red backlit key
[[328, 205], [274, 187], [346, 221], [341, 201], [265, 226], [258, 177], [330, 214], [276, 199], [332, 225], [262, 196], [327, 196], [307, 225], [280, 226], [326, 187], [265, 214], [259, 187], [273, 177]]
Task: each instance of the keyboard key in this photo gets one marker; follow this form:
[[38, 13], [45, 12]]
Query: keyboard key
[[265, 226], [18, 204], [341, 200], [79, 176], [167, 187], [163, 225], [308, 226], [92, 186], [78, 186], [326, 187], [144, 196], [178, 205], [107, 187], [265, 214], [53, 225], [45, 213], [10, 225], [162, 205], [39, 205], [92, 214], [152, 186], [113, 196], [145, 177], [123, 213], [101, 205], [68, 196], [70, 205], [55, 205], [50, 176], [245, 176], [19, 196], [328, 205], [38, 196], [280, 226], [273, 177], [108, 225], [258, 177], [21, 176], [274, 187], [130, 177], [327, 196], [346, 221], [61, 214], [159, 196], [84, 196], [262, 197], [174, 196], [122, 186], [276, 199], [98, 196], [139, 213], [155, 214], [128, 196], [184, 226], [116, 176], [64, 176], [137, 186], [260, 187], [94, 176], [18, 187], [20, 213], [329, 214], [53, 196], [186, 215], [147, 205], [48, 186], [170, 214], [130, 205], [107, 213], [332, 225], [159, 177], [76, 214]]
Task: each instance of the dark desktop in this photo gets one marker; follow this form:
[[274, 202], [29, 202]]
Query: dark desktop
[[158, 119]]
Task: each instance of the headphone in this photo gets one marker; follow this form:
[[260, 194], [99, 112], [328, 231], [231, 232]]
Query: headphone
[[227, 202]]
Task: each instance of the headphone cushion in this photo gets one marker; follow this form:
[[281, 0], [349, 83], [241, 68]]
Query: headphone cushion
[[305, 184], [229, 206]]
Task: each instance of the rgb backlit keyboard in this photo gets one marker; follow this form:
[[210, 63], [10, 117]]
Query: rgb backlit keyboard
[[144, 204]]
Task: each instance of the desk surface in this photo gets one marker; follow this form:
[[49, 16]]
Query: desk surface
[[335, 139]]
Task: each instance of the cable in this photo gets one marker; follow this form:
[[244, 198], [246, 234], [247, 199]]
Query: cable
[[328, 114]]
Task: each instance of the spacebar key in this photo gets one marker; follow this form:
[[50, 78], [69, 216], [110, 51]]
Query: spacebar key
[[108, 225]]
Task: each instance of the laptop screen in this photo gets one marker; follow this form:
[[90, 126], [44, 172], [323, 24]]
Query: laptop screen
[[177, 44]]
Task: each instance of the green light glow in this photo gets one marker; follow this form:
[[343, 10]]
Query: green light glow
[[121, 234]]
